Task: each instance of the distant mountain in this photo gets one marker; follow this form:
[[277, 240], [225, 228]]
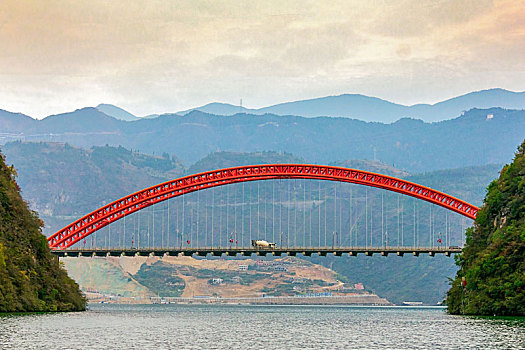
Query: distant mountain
[[13, 122], [349, 105], [480, 99], [377, 110], [116, 112], [87, 119], [220, 109], [373, 166], [218, 160], [478, 137]]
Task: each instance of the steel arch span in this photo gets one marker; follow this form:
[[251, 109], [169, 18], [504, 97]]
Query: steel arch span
[[116, 210]]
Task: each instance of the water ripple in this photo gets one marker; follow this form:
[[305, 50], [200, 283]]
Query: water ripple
[[257, 327]]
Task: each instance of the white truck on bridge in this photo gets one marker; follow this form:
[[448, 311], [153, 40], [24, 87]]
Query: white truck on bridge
[[262, 244]]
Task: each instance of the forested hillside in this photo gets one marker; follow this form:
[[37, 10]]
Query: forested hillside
[[491, 278], [31, 279]]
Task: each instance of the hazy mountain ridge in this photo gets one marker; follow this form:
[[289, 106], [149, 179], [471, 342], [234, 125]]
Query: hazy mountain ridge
[[374, 109], [14, 122], [475, 138], [116, 112], [356, 106]]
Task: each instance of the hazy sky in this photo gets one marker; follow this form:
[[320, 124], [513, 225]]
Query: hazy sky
[[164, 56]]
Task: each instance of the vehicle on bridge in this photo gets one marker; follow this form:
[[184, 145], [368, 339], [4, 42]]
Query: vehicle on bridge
[[263, 244]]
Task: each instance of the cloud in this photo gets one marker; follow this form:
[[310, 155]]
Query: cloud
[[158, 56]]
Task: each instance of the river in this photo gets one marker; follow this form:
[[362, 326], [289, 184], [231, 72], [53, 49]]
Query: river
[[107, 326]]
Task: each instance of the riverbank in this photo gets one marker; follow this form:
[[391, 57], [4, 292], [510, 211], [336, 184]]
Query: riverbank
[[359, 299]]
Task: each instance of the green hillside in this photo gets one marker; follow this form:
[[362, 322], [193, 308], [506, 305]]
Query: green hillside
[[218, 160], [62, 182], [31, 279], [492, 263]]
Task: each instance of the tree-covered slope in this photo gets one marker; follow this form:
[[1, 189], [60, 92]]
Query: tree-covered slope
[[31, 279], [218, 160], [62, 182], [491, 278]]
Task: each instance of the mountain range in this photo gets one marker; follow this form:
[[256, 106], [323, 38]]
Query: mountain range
[[375, 109], [356, 106], [477, 137]]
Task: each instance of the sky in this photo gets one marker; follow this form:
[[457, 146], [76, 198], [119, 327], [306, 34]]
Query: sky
[[158, 56]]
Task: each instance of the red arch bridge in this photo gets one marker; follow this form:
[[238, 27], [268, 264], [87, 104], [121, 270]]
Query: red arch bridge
[[298, 208]]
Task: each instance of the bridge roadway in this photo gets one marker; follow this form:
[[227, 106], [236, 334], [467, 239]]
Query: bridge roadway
[[244, 251]]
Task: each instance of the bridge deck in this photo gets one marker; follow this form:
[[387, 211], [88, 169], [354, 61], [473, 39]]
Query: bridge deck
[[244, 251]]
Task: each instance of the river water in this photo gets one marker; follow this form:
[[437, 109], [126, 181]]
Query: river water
[[107, 326]]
